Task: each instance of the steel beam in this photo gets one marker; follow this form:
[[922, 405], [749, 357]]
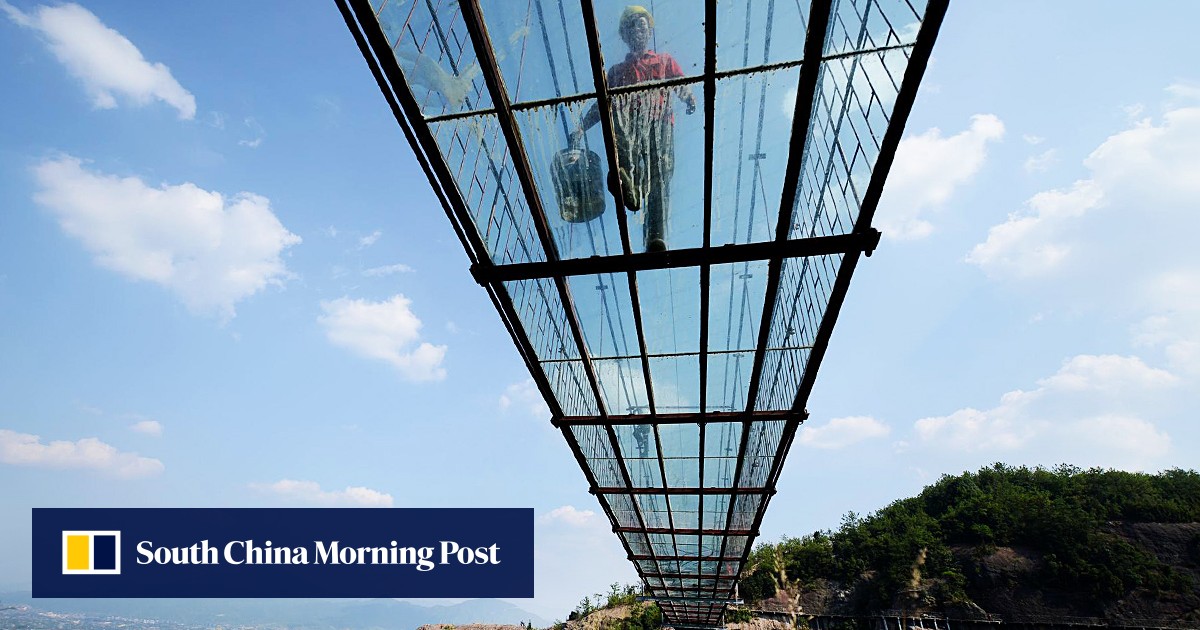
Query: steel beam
[[682, 491], [683, 531], [818, 24], [865, 241], [658, 85], [361, 19], [485, 54], [676, 418]]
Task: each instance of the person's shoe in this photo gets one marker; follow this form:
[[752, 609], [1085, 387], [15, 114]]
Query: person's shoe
[[631, 197], [656, 245]]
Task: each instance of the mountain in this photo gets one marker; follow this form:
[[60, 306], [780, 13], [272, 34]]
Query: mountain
[[292, 613]]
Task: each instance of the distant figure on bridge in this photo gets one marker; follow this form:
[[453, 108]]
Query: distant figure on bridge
[[644, 125]]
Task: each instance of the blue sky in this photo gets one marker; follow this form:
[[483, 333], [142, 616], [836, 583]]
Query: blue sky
[[224, 281]]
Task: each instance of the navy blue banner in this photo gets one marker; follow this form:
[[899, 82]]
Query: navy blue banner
[[261, 552]]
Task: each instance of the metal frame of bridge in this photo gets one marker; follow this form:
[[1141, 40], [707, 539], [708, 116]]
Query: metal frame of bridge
[[682, 442]]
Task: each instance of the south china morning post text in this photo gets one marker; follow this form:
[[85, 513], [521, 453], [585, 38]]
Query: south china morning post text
[[262, 552], [320, 552]]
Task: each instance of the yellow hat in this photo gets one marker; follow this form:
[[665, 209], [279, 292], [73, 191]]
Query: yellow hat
[[635, 11]]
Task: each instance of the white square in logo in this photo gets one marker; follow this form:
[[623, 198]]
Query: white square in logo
[[91, 552]]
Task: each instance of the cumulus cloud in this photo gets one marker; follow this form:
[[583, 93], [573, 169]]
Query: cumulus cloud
[[570, 515], [1041, 162], [1029, 243], [1117, 242], [369, 239], [387, 270], [525, 397], [209, 250], [841, 432], [148, 427], [105, 61], [1141, 178], [310, 492], [387, 331], [1090, 411], [1174, 325], [24, 449], [928, 169]]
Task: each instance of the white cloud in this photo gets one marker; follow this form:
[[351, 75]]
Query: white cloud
[[1174, 326], [369, 239], [1041, 162], [210, 251], [928, 170], [1142, 178], [310, 492], [387, 270], [216, 120], [524, 396], [24, 449], [1032, 139], [1029, 243], [570, 515], [841, 432], [105, 61], [1119, 242], [149, 427], [256, 130], [1090, 411], [388, 331]]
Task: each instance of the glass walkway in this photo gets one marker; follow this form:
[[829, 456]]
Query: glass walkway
[[672, 310]]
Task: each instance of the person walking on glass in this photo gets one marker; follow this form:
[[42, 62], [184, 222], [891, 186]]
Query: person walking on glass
[[644, 125]]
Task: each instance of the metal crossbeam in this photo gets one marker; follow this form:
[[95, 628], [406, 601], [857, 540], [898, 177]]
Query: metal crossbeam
[[814, 43], [677, 491], [703, 257], [681, 418]]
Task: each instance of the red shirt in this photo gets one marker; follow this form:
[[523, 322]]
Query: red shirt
[[639, 68], [649, 66]]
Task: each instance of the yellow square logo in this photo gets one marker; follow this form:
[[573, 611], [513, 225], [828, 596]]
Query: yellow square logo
[[91, 552]]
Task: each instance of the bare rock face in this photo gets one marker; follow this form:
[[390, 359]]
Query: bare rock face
[[600, 619], [1000, 580], [760, 624]]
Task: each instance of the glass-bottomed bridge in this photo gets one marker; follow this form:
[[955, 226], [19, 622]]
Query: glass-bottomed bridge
[[672, 310]]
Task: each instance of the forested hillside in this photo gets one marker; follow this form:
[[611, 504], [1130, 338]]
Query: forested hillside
[[1003, 540]]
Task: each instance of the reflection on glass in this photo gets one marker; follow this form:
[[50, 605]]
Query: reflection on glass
[[623, 385], [640, 453], [670, 300], [433, 49], [748, 35], [540, 47], [851, 113], [676, 383], [476, 154], [867, 24], [605, 315], [685, 515], [750, 154]]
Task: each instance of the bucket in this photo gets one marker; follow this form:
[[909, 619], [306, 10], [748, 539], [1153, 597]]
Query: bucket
[[578, 185]]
